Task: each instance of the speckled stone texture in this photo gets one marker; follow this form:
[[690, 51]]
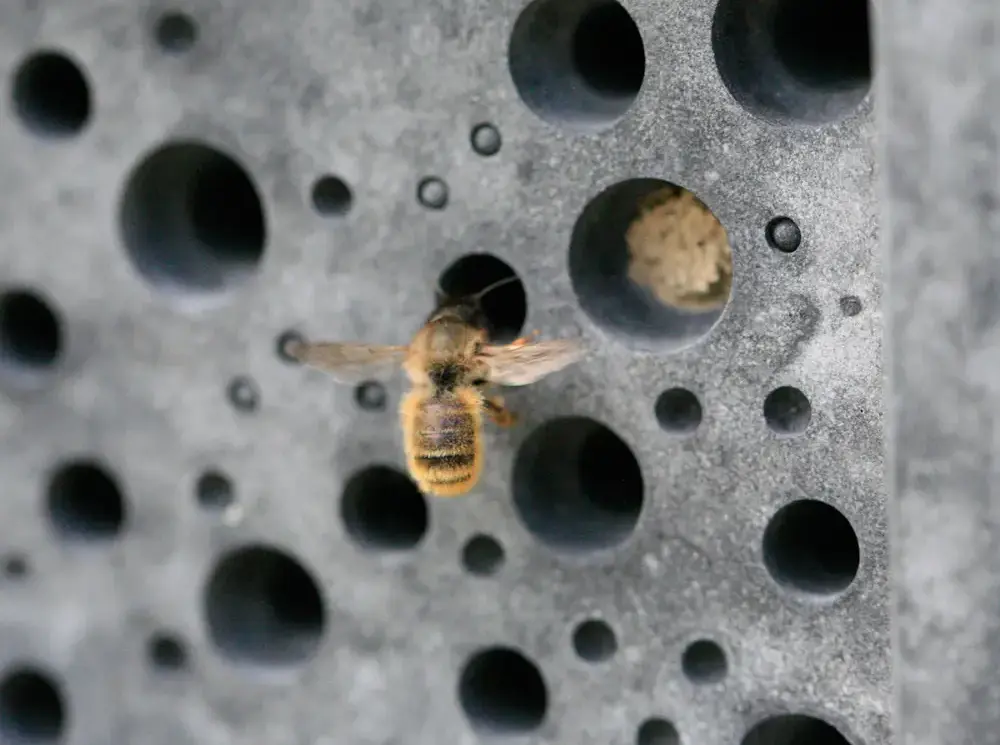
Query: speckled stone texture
[[684, 538]]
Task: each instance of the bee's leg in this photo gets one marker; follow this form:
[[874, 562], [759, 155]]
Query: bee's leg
[[500, 414]]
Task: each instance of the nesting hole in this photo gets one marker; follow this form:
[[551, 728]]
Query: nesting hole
[[704, 662], [15, 566], [432, 193], [264, 608], [811, 547], [30, 334], [383, 509], [243, 394], [850, 305], [678, 411], [371, 396], [649, 260], [192, 222], [577, 485], [167, 652], [656, 731], [787, 61], [783, 234], [504, 307], [787, 411], [793, 729], [214, 491], [284, 341], [51, 95], [482, 555], [594, 640], [502, 692], [578, 64], [485, 139], [32, 709], [331, 196], [85, 502], [175, 32]]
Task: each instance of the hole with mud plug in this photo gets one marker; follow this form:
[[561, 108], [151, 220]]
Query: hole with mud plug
[[503, 300], [383, 510], [502, 692]]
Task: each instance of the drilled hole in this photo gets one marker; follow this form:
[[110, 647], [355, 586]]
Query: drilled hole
[[850, 305], [192, 222], [243, 394], [15, 566], [502, 692], [704, 662], [577, 485], [432, 193], [30, 335], [594, 641], [783, 234], [371, 396], [283, 342], [810, 546], [482, 555], [167, 652], [793, 729], [264, 608], [175, 32], [788, 61], [657, 731], [32, 708], [678, 411], [85, 502], [331, 196], [485, 139], [787, 411], [51, 95], [578, 64], [504, 308], [649, 260], [382, 509], [214, 491]]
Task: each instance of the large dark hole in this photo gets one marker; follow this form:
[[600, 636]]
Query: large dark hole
[[704, 662], [263, 607], [577, 485], [30, 333], [85, 502], [793, 729], [504, 307], [787, 411], [383, 509], [32, 709], [502, 692], [607, 51], [51, 95]]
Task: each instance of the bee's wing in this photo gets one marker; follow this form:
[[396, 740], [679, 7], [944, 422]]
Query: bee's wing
[[348, 362], [520, 364]]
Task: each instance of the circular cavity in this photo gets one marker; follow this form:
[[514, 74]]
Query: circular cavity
[[214, 491], [485, 139], [811, 547], [371, 396], [504, 307], [789, 62], [594, 641], [192, 222], [649, 260], [678, 411], [432, 193], [331, 196], [383, 509], [243, 394], [656, 731], [32, 708], [263, 607], [283, 342], [793, 729], [577, 486], [787, 411], [175, 32], [577, 63], [167, 652], [85, 502], [15, 566], [51, 95], [502, 692], [704, 662], [482, 555], [30, 334], [850, 305], [782, 234]]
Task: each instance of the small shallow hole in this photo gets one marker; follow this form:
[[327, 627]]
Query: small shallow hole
[[15, 566], [783, 234], [482, 555], [787, 61], [678, 411], [656, 731], [793, 729], [649, 260], [579, 64], [85, 502], [283, 342], [51, 95], [243, 394], [485, 139], [175, 32], [502, 692], [30, 334], [850, 305], [263, 607], [432, 193], [704, 662], [32, 707], [811, 547], [371, 396], [167, 652], [383, 509], [787, 411], [504, 307], [594, 641], [192, 222], [214, 491], [577, 485], [331, 196]]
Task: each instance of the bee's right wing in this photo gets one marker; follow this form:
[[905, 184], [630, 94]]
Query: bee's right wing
[[523, 363], [348, 362]]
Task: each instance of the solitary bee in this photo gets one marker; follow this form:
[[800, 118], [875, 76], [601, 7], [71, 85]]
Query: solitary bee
[[450, 364]]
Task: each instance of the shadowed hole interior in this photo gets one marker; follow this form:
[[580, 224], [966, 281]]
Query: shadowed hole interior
[[85, 502], [787, 411], [32, 707], [656, 731], [264, 608], [30, 333], [167, 652], [214, 491], [577, 485], [51, 95], [594, 640], [331, 196], [503, 692], [678, 411], [704, 662], [175, 32], [793, 729], [383, 509], [505, 308], [482, 555], [811, 547]]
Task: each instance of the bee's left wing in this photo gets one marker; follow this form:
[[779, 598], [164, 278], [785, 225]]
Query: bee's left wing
[[348, 362], [524, 363]]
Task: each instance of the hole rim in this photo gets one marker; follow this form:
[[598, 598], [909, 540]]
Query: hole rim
[[433, 193], [486, 712], [594, 640], [504, 311], [72, 512], [379, 524], [783, 234], [43, 118], [485, 139]]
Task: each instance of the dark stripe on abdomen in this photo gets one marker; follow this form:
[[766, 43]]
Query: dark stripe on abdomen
[[451, 461]]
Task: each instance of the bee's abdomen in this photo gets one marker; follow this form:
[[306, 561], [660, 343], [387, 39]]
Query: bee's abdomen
[[444, 447]]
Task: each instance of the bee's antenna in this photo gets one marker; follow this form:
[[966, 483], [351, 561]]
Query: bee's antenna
[[489, 288]]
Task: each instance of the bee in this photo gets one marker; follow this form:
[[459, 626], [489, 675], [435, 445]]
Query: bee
[[451, 366]]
